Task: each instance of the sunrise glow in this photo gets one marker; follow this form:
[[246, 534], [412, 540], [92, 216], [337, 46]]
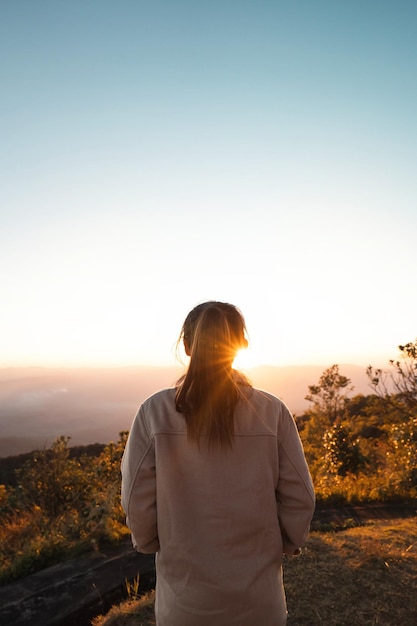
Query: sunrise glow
[[246, 359], [154, 159]]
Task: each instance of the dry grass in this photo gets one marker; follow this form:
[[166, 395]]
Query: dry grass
[[363, 576], [130, 613]]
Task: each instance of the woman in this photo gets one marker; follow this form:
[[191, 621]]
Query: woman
[[214, 480]]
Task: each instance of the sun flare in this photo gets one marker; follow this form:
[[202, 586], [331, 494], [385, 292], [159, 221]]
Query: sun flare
[[245, 359]]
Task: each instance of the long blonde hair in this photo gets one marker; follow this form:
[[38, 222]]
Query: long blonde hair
[[207, 395]]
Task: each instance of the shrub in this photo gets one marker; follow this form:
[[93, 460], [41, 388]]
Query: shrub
[[60, 507]]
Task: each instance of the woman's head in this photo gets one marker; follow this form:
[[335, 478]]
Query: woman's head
[[217, 325], [213, 332]]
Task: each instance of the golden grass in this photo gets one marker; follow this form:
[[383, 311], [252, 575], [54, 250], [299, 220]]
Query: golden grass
[[362, 576], [130, 613]]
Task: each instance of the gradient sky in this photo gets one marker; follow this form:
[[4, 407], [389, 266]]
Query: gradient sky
[[157, 154]]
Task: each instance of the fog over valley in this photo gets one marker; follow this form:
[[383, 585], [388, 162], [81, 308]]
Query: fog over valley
[[91, 405]]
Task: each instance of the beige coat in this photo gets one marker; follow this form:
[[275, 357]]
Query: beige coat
[[219, 520]]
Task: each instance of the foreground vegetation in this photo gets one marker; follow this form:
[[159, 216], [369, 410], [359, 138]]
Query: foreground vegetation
[[364, 448], [61, 506], [56, 504], [364, 576]]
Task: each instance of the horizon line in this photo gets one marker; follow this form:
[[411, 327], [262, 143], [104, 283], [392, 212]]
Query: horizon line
[[174, 366]]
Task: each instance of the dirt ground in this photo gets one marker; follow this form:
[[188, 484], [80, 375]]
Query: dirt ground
[[344, 516]]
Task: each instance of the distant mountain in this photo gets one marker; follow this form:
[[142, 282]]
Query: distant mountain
[[89, 405], [94, 405]]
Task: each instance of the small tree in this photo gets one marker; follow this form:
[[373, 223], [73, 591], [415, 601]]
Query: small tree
[[402, 458], [53, 482], [342, 452], [399, 386], [106, 519], [329, 396], [329, 400]]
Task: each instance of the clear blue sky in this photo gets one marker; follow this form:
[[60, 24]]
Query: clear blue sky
[[157, 154]]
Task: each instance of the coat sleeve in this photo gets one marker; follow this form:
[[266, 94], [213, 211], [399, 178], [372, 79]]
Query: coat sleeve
[[295, 491], [139, 486]]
